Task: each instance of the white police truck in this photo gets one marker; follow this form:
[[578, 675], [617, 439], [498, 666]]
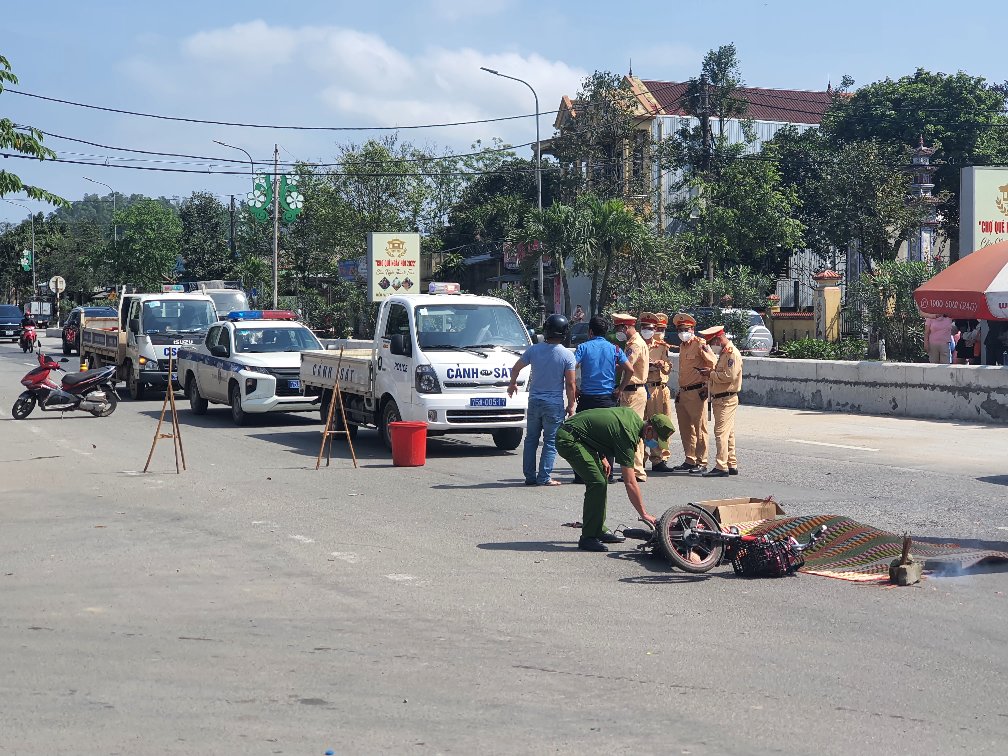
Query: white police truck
[[443, 358], [250, 361]]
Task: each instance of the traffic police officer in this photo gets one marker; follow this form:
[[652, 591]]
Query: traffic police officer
[[691, 398], [725, 384], [659, 398], [585, 441], [632, 390]]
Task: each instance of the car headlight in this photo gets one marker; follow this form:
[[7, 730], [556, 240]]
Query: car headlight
[[148, 364], [426, 380]]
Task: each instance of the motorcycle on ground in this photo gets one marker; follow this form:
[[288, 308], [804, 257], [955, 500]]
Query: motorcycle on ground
[[29, 338], [91, 391]]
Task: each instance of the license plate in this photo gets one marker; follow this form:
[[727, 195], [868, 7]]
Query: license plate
[[492, 401], [294, 384], [9, 333]]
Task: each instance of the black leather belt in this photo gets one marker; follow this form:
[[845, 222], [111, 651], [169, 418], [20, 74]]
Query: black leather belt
[[656, 384], [633, 386], [723, 394], [693, 386]]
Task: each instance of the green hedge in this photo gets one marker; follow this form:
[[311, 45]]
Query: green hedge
[[817, 349]]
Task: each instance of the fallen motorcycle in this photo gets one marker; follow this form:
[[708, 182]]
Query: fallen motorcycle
[[91, 391], [690, 538], [29, 338]]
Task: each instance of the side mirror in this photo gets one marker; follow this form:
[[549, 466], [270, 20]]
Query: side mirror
[[400, 345], [134, 325], [219, 350]]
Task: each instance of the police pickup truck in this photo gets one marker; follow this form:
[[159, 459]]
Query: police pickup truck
[[442, 358], [251, 361]]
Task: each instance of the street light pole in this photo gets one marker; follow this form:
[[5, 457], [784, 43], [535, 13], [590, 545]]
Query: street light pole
[[542, 295], [31, 217], [225, 144], [115, 226]]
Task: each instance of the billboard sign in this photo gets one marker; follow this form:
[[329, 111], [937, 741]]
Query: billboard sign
[[393, 264], [983, 208]]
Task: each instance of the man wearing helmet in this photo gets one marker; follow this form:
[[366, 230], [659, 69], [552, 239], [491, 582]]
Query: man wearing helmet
[[552, 375]]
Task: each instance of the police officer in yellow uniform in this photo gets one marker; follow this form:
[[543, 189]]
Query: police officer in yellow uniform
[[659, 400], [725, 384], [632, 390], [695, 360]]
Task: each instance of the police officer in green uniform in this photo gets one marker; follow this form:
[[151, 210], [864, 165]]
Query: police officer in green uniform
[[586, 439]]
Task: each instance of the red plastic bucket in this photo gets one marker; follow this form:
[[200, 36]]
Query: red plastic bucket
[[409, 444]]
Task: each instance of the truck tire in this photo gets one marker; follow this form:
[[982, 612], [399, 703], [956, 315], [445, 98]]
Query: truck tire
[[507, 439], [197, 403], [337, 417], [239, 415], [134, 386], [389, 414]]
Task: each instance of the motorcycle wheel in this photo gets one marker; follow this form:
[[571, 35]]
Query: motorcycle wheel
[[701, 554], [23, 407], [113, 402]]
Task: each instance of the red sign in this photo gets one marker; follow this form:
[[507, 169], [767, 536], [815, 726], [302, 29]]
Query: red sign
[[514, 254]]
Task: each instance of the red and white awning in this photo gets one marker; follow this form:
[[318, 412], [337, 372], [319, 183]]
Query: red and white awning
[[974, 288]]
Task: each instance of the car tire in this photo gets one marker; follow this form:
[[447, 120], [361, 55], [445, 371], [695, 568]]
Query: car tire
[[238, 415], [507, 439], [197, 403], [136, 388], [389, 414]]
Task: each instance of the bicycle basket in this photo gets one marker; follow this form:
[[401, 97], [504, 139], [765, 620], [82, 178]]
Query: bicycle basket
[[767, 558]]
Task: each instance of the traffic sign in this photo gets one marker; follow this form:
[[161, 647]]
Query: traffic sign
[[57, 284], [26, 260]]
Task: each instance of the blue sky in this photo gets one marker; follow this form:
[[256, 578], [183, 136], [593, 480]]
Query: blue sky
[[405, 63]]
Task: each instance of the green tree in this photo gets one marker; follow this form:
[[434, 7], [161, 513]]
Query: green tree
[[149, 243], [25, 141], [204, 237], [962, 116]]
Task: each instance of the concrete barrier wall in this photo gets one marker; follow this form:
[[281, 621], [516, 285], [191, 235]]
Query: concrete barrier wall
[[972, 393]]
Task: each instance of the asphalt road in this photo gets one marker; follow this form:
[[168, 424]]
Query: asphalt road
[[252, 604]]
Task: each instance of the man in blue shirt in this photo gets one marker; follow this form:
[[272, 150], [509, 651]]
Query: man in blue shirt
[[600, 361], [552, 374]]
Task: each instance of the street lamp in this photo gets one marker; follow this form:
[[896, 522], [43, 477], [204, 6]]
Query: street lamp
[[542, 296], [115, 226], [225, 144], [31, 217]]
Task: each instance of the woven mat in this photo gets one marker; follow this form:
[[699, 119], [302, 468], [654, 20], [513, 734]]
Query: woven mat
[[852, 551]]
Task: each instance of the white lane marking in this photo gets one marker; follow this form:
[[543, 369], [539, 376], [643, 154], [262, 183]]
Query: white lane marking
[[400, 577], [346, 556], [837, 446], [268, 523], [301, 538]]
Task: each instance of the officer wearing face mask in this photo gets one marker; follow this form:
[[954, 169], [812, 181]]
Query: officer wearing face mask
[[632, 390], [695, 361], [725, 384], [659, 401]]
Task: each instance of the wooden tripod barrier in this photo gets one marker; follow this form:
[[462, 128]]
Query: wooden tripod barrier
[[175, 435], [327, 431]]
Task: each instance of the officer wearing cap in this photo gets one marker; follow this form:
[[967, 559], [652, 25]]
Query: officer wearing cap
[[585, 440], [725, 384], [633, 390], [659, 401], [695, 359]]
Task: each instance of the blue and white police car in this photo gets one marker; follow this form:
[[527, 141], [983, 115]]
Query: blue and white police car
[[250, 361]]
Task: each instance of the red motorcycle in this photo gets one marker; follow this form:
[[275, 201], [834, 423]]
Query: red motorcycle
[[29, 338], [91, 391]]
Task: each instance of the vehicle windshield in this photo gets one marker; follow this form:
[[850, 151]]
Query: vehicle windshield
[[266, 339], [755, 319], [98, 312], [229, 301], [10, 311], [177, 315], [468, 326]]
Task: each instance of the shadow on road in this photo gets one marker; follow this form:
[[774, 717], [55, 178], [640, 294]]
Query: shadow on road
[[545, 546], [998, 480]]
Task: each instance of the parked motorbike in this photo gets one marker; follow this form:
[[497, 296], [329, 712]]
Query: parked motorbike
[[29, 338], [91, 391]]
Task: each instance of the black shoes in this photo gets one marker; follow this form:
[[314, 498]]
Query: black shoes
[[586, 543], [716, 473], [609, 537], [697, 470], [685, 467], [733, 471], [660, 467]]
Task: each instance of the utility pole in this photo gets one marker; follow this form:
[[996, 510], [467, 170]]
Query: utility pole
[[705, 125], [234, 252], [276, 219]]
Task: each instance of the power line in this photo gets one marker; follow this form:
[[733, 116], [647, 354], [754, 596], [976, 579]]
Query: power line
[[262, 125]]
